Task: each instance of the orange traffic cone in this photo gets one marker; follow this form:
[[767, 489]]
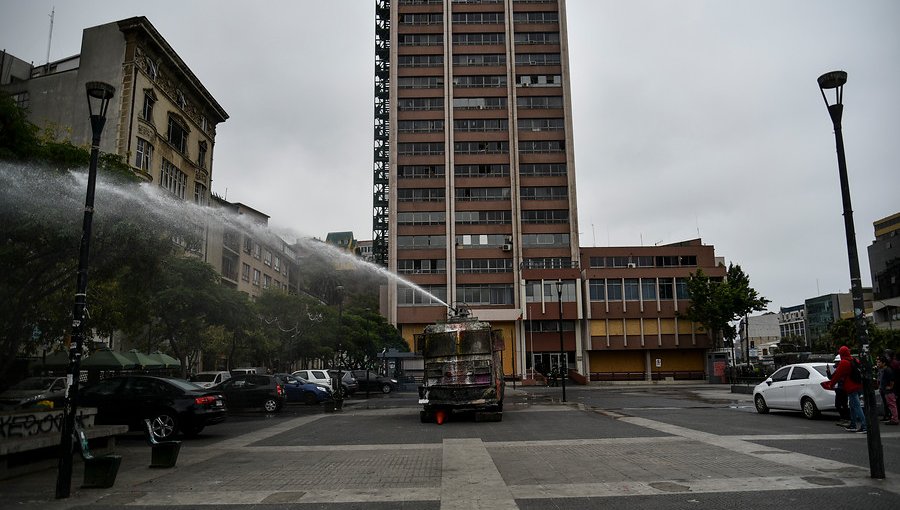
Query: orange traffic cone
[[439, 417]]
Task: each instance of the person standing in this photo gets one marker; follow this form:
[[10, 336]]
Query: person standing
[[852, 382], [886, 386]]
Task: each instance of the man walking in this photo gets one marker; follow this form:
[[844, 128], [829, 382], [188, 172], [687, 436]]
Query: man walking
[[849, 375]]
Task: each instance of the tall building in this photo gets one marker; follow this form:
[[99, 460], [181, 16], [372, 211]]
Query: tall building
[[481, 173], [884, 263]]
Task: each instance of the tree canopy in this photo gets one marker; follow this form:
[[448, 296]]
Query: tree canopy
[[716, 304]]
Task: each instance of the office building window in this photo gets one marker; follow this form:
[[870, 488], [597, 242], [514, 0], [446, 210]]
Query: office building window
[[545, 193], [632, 289], [479, 39], [421, 218], [480, 125], [648, 289], [484, 265], [420, 242], [420, 104], [481, 147], [488, 59], [420, 60], [500, 170], [542, 124], [538, 59], [256, 274], [420, 194], [542, 170], [485, 294], [480, 194], [245, 272], [420, 171], [545, 240], [407, 296], [479, 103], [483, 217], [537, 38], [597, 290]]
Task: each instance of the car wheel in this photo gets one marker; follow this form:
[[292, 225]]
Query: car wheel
[[164, 425], [310, 399], [192, 431], [809, 408], [386, 388], [271, 405], [761, 406]]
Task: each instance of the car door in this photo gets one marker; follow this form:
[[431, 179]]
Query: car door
[[234, 391], [795, 386], [105, 396], [774, 392]]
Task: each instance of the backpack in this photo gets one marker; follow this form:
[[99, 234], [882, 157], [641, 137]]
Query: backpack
[[855, 371]]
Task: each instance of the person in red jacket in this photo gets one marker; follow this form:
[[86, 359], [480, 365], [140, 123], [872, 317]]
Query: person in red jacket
[[853, 388]]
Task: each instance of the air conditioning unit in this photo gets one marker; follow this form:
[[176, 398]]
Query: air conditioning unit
[[506, 247], [632, 265]]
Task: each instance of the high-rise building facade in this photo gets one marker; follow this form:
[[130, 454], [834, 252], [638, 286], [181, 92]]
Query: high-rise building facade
[[482, 175]]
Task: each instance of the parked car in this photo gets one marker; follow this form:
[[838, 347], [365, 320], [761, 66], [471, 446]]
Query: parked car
[[209, 379], [32, 390], [172, 405], [375, 382], [301, 390], [797, 387], [248, 370], [253, 390], [349, 385], [314, 376]]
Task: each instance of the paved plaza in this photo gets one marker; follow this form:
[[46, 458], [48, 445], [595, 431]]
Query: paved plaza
[[544, 454]]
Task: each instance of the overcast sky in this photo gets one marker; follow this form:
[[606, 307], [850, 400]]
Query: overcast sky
[[692, 118]]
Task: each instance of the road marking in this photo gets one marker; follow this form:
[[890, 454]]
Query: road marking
[[470, 480]]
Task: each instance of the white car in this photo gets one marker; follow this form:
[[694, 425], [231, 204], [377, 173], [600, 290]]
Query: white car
[[797, 387], [315, 376], [209, 379]]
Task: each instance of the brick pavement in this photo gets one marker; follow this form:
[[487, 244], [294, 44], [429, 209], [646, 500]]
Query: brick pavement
[[386, 457]]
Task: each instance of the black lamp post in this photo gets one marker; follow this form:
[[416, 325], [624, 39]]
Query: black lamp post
[[563, 362], [828, 81], [339, 391], [98, 95]]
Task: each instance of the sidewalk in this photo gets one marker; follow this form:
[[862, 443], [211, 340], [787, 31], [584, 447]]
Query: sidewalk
[[385, 459]]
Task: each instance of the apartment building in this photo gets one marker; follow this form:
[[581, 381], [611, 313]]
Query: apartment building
[[162, 120], [482, 175], [247, 256], [884, 263]]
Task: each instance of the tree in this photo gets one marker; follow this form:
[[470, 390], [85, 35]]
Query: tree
[[186, 302], [715, 304]]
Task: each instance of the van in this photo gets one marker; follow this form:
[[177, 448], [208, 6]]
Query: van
[[248, 371], [209, 379]]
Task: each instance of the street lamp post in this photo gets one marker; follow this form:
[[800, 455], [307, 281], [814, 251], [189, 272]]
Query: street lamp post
[[339, 391], [563, 369], [98, 95], [835, 80]]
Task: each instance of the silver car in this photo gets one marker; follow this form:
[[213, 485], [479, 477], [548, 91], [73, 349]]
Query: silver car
[[797, 387]]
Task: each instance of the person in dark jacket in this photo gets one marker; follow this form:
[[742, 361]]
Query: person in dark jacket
[[853, 389], [886, 386]]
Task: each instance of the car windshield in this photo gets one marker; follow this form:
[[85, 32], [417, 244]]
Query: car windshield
[[203, 377], [34, 383]]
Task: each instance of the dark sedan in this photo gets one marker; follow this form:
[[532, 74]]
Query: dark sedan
[[253, 391], [171, 405], [374, 382]]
